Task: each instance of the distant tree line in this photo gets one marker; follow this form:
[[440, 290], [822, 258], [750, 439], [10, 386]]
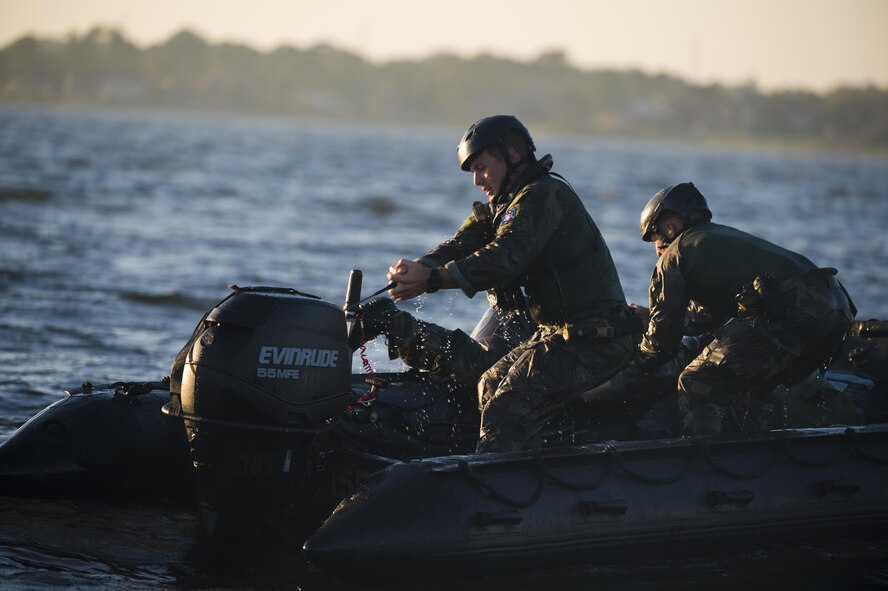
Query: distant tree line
[[102, 68]]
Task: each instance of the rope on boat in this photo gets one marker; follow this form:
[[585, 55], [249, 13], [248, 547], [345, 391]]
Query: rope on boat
[[547, 472], [488, 488], [653, 479], [855, 438], [614, 458], [846, 451], [704, 452]]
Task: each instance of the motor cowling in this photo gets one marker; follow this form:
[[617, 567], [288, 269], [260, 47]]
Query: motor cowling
[[269, 357], [266, 370]]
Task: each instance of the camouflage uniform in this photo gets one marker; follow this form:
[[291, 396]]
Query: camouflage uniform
[[537, 235], [449, 353], [641, 387], [786, 317]]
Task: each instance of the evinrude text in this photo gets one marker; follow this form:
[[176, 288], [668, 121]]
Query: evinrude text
[[293, 357]]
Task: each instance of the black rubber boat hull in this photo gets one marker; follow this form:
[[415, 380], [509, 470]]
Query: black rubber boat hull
[[108, 441], [471, 516]]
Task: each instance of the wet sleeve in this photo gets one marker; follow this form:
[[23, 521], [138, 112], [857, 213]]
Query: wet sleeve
[[669, 299], [521, 236]]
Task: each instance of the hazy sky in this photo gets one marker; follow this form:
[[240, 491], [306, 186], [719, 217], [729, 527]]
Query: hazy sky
[[814, 44]]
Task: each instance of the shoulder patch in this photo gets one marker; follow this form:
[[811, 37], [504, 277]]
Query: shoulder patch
[[509, 216]]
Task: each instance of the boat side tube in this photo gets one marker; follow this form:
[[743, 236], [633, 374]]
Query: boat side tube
[[496, 514]]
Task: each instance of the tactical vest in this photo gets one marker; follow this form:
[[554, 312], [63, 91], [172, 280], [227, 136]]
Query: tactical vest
[[575, 277]]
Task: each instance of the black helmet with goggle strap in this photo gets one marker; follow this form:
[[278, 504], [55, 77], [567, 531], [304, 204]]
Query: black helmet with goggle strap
[[683, 200], [486, 132]]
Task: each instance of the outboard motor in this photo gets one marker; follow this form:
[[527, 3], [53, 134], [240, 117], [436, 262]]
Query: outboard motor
[[266, 371]]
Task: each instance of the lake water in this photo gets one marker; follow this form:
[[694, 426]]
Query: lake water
[[118, 231]]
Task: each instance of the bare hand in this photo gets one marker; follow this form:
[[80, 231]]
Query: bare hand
[[410, 279]]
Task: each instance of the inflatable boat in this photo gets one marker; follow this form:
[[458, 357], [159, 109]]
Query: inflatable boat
[[262, 426], [108, 441], [471, 516]]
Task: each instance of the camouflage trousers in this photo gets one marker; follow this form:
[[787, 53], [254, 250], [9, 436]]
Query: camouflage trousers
[[519, 390], [728, 386], [452, 353], [525, 390]]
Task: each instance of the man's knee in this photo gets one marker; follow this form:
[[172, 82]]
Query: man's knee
[[449, 353]]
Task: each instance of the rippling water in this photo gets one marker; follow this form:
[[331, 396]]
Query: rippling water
[[117, 231]]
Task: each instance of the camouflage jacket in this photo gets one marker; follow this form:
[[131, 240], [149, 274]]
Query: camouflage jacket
[[708, 263], [540, 236]]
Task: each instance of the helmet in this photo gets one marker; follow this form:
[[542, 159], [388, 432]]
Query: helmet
[[682, 199], [488, 132]]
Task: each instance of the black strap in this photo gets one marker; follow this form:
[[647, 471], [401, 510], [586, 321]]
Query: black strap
[[617, 326], [624, 326], [851, 305], [554, 272], [480, 211]]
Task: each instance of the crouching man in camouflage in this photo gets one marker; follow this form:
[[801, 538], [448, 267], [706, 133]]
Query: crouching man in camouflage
[[786, 316], [533, 238]]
